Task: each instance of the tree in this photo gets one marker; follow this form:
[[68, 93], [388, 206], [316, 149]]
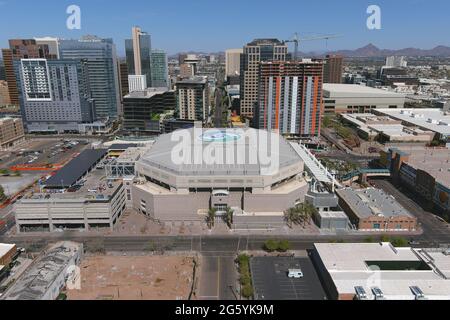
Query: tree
[[211, 217], [247, 291], [326, 122], [271, 245], [399, 242], [290, 216], [228, 217], [284, 246]]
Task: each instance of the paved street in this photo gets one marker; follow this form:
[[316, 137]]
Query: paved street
[[218, 277]]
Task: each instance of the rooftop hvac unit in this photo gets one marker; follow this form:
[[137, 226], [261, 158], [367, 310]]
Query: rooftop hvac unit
[[418, 293], [378, 293], [360, 293]]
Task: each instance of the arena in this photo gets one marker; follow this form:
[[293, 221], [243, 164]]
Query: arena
[[184, 174]]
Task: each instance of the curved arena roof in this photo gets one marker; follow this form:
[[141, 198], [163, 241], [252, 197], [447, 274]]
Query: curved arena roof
[[209, 152]]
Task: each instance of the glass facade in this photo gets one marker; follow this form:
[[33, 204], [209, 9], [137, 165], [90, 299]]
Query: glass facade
[[145, 56], [100, 55], [159, 69]]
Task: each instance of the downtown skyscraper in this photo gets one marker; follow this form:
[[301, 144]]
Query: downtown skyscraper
[[257, 51], [101, 58], [290, 97], [138, 55], [160, 73]]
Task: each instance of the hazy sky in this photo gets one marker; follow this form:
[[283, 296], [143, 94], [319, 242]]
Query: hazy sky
[[213, 25]]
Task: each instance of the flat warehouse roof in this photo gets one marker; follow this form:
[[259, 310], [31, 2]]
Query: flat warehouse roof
[[357, 91], [5, 248], [434, 120], [75, 169], [372, 202]]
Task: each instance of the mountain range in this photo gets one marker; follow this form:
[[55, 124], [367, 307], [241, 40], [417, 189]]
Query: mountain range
[[372, 51]]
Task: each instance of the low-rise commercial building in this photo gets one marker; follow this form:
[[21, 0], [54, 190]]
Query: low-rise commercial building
[[142, 109], [379, 271], [352, 98], [385, 129], [7, 252], [52, 271], [435, 120], [373, 210], [425, 171], [11, 132]]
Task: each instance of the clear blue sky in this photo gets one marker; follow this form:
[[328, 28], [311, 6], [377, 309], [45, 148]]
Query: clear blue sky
[[215, 25]]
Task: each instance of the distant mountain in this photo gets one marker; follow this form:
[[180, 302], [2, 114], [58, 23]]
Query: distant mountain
[[373, 51], [367, 51]]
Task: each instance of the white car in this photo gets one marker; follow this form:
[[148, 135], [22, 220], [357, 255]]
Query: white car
[[295, 273]]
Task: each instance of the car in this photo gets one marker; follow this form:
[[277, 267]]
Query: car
[[295, 273]]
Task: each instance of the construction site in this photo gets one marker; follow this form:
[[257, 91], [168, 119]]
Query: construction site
[[109, 277]]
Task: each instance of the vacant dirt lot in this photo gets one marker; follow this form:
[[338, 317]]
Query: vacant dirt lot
[[134, 278]]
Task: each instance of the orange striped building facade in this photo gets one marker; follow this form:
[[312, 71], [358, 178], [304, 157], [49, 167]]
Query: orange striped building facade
[[290, 97]]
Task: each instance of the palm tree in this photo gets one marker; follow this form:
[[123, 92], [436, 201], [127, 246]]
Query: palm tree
[[307, 212], [300, 214], [291, 216], [210, 219], [228, 217]]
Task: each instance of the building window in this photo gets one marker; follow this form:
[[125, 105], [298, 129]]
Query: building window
[[376, 226]]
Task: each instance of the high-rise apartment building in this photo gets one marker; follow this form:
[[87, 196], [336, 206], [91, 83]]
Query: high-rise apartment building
[[4, 94], [52, 45], [123, 77], [138, 53], [102, 67], [54, 94], [159, 69], [193, 99], [396, 62], [333, 69], [255, 52], [21, 49], [186, 70], [233, 62], [290, 97]]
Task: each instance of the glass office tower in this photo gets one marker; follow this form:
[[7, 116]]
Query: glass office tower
[[102, 68]]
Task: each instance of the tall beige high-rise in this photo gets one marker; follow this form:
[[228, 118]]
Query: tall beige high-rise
[[233, 61], [255, 52], [136, 32]]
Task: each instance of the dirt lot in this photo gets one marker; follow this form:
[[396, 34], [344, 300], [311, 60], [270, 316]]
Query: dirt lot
[[134, 278]]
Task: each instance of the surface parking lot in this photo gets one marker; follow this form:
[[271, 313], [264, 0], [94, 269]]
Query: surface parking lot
[[271, 282]]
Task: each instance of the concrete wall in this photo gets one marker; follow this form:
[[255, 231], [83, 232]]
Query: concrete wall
[[172, 206], [272, 202]]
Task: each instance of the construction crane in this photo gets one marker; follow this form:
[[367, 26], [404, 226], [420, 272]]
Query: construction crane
[[296, 40]]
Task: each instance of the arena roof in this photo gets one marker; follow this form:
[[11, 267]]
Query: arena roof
[[220, 152]]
